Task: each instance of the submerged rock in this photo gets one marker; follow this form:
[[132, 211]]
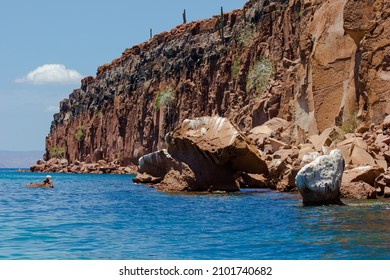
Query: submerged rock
[[47, 183], [319, 181]]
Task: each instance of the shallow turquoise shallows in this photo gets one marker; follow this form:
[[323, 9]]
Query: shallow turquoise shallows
[[109, 217]]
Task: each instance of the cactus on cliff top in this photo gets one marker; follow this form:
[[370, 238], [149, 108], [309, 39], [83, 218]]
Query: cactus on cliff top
[[221, 25], [184, 17]]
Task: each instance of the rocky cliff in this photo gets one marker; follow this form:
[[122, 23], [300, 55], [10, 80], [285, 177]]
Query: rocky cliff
[[313, 63]]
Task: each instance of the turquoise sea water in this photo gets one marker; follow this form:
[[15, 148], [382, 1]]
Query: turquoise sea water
[[109, 217]]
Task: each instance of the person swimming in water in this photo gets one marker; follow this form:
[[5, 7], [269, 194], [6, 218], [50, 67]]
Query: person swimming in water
[[47, 183]]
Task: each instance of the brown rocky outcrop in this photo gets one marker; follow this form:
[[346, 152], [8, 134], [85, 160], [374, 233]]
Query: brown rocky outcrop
[[357, 190], [63, 166], [294, 76], [218, 140], [327, 61], [204, 154], [382, 182], [366, 174]]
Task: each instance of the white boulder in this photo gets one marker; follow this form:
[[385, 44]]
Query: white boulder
[[319, 181]]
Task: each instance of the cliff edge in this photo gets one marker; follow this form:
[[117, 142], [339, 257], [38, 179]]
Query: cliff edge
[[314, 63]]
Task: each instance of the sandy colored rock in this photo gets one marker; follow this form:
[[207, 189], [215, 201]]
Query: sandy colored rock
[[277, 168], [284, 154], [382, 139], [92, 167], [178, 181], [304, 150], [287, 181], [386, 123], [366, 174], [276, 144], [345, 147], [74, 169], [204, 154], [381, 182], [381, 163], [63, 162], [52, 161], [260, 131], [220, 140], [143, 178], [271, 127], [252, 181], [326, 138], [38, 167], [362, 129], [386, 192], [357, 190], [214, 150], [359, 156]]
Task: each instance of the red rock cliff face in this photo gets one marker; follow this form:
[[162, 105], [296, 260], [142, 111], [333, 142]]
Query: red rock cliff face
[[313, 63]]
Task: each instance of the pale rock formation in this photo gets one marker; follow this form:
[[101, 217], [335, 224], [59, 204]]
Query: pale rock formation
[[319, 181]]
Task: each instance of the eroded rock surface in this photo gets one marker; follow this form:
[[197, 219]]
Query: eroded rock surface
[[204, 154]]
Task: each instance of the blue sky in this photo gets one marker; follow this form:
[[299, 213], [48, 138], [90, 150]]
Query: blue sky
[[47, 46]]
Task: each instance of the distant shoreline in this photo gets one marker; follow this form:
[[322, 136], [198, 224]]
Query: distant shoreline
[[19, 159]]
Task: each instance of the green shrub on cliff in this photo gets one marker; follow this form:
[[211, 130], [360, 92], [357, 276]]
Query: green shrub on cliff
[[79, 134], [235, 71], [164, 98], [350, 123], [57, 152], [245, 36], [259, 76]]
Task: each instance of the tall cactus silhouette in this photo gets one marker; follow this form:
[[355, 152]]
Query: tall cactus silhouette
[[221, 25], [184, 17]]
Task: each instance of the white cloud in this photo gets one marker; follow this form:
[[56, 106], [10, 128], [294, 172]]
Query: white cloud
[[53, 109], [51, 74]]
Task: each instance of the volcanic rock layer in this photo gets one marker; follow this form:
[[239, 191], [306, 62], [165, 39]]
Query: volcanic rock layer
[[313, 64]]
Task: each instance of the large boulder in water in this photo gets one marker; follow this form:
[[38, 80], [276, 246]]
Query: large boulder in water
[[204, 154], [319, 181], [160, 167], [215, 151]]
